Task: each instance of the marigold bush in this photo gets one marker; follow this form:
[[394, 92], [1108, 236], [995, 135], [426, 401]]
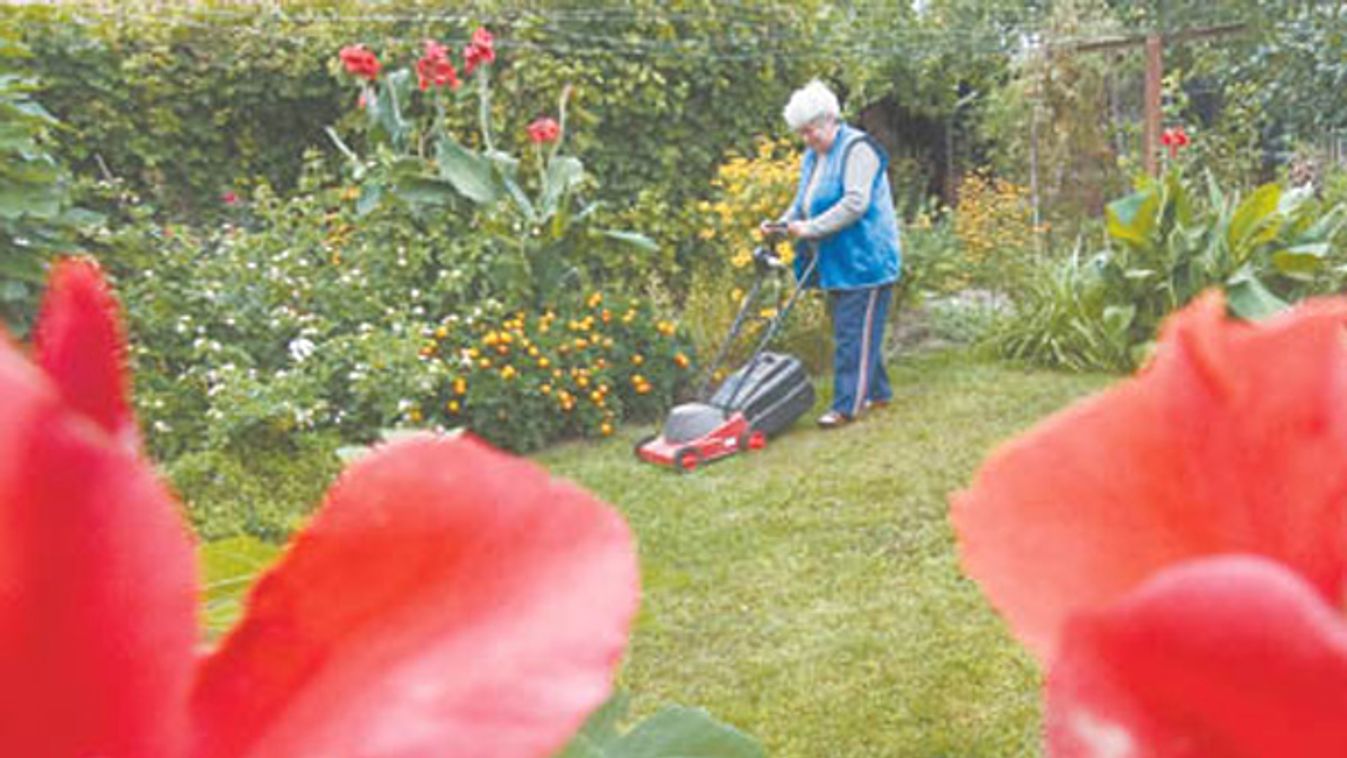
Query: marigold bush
[[528, 378]]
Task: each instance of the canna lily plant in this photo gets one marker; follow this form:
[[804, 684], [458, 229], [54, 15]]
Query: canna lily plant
[[1173, 551], [529, 207], [446, 600]]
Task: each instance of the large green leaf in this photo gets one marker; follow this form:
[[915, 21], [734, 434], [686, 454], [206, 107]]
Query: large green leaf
[[371, 193], [563, 174], [385, 109], [1132, 218], [424, 190], [674, 732], [507, 169], [1301, 261], [1255, 220], [686, 733], [470, 173], [1250, 299]]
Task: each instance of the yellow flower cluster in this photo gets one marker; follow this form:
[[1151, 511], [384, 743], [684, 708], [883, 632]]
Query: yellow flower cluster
[[748, 191], [993, 218]]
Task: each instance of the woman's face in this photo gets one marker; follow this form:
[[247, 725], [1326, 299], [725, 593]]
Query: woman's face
[[818, 135]]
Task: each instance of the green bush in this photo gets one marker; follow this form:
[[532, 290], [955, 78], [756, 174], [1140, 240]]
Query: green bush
[[1168, 243], [37, 218], [186, 104], [302, 315]]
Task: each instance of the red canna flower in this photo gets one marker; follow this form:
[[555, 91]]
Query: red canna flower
[[544, 130], [447, 599], [1174, 548], [360, 62], [1174, 138], [229, 198], [434, 68], [480, 50]]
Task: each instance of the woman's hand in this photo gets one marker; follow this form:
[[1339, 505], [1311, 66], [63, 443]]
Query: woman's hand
[[796, 229]]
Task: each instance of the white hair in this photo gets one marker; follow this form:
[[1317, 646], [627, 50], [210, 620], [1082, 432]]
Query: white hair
[[812, 102]]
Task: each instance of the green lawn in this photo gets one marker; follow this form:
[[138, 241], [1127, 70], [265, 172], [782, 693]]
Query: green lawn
[[810, 595]]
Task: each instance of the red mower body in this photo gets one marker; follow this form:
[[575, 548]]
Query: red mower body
[[732, 436]]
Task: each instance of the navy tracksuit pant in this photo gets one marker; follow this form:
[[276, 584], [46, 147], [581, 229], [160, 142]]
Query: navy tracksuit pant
[[858, 317]]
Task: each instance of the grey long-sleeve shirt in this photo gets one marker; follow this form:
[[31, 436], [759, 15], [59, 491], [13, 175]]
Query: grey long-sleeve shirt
[[859, 177]]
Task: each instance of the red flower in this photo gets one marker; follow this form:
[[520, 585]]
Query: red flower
[[1099, 534], [434, 68], [447, 600], [480, 50], [1174, 138], [544, 130], [360, 62], [230, 198]]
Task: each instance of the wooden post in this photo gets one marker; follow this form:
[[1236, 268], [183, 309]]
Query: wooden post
[[1154, 71]]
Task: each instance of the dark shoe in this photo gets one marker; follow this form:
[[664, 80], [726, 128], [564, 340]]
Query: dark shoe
[[876, 405], [833, 419]]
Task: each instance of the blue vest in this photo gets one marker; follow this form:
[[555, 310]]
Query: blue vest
[[864, 254]]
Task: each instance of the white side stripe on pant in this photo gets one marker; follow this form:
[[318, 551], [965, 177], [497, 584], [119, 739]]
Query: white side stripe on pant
[[863, 379]]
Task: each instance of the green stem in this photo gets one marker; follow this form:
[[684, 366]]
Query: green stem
[[561, 121], [484, 110]]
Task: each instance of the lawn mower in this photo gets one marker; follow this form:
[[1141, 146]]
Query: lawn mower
[[754, 403]]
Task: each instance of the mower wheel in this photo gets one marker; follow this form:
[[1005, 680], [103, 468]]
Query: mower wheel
[[752, 440], [686, 460]]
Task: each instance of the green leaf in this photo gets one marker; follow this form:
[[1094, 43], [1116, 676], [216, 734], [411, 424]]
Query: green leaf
[[1132, 218], [229, 567], [371, 193], [686, 733], [20, 200], [1301, 260], [635, 239], [673, 732], [1249, 299], [387, 110], [563, 174], [424, 190], [1117, 318], [1255, 220], [470, 173]]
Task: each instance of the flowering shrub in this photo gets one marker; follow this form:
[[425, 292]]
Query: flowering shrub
[[995, 226], [748, 190], [528, 378], [1171, 551], [367, 638]]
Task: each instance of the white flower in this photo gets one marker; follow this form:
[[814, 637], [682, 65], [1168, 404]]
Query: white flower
[[300, 349]]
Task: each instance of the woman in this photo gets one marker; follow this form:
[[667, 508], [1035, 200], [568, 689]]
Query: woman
[[843, 213]]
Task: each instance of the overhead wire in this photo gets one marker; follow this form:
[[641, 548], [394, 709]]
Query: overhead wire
[[561, 38]]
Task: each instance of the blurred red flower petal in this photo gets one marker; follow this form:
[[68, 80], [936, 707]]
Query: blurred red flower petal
[[447, 600], [1233, 440], [80, 343], [1229, 656], [97, 573]]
